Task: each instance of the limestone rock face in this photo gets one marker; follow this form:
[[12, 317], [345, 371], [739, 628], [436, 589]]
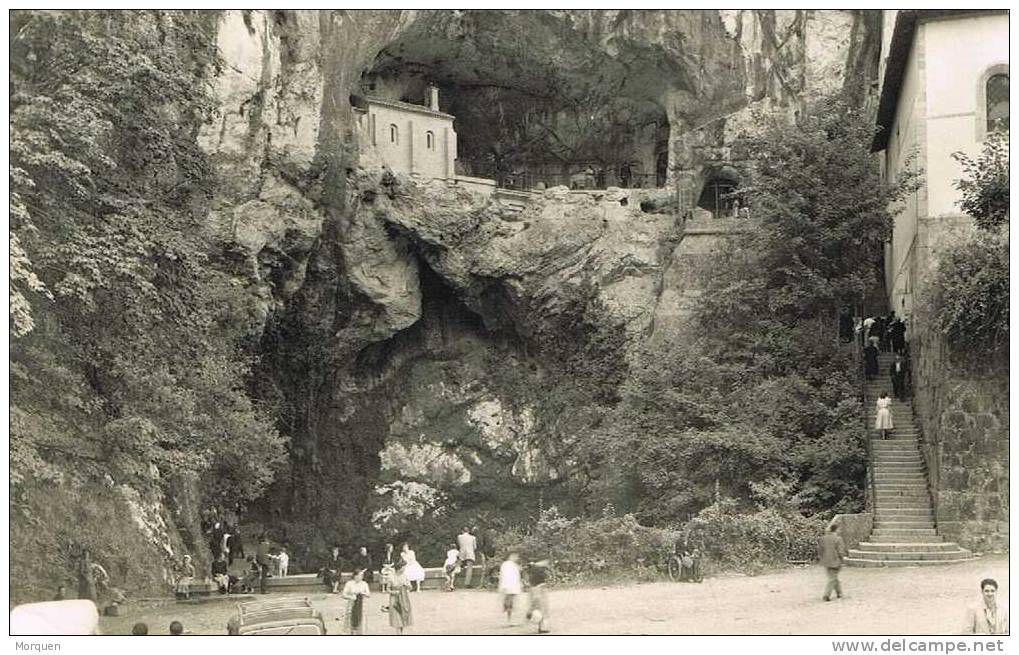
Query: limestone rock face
[[417, 336]]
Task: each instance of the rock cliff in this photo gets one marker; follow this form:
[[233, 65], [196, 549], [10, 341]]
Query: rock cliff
[[428, 351]]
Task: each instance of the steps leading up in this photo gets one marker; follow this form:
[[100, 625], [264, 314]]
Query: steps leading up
[[904, 532]]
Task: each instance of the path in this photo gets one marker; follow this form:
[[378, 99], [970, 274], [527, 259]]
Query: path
[[928, 600]]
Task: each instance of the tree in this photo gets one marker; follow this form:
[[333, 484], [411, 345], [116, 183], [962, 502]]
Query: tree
[[985, 187], [139, 375]]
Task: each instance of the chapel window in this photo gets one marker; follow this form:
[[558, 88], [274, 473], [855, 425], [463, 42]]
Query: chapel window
[[997, 103], [430, 140], [394, 134]]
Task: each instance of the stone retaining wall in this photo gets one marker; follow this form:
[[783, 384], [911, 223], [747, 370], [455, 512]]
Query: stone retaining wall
[[854, 528], [964, 419]]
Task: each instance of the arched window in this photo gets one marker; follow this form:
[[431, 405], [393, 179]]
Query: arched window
[[394, 134], [996, 92], [429, 140]]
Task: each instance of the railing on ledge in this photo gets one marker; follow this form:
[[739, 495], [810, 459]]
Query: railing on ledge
[[523, 180]]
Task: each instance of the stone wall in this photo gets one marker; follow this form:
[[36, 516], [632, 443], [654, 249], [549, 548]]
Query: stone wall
[[854, 528], [964, 418]]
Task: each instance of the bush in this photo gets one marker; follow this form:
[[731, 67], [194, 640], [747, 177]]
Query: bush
[[751, 542], [968, 297], [584, 550], [985, 189]]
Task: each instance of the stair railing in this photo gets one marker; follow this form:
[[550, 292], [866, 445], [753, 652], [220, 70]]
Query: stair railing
[[870, 493]]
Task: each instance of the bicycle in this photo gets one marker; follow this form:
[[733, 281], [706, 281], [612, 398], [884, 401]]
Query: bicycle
[[685, 568]]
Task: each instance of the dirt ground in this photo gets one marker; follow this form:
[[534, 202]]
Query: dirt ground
[[919, 600]]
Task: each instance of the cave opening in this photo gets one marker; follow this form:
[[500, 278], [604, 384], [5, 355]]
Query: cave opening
[[718, 195], [567, 112]]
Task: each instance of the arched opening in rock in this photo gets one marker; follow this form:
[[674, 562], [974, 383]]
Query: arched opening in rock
[[717, 195], [526, 115]]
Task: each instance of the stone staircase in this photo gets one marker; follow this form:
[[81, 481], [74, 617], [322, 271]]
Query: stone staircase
[[904, 531]]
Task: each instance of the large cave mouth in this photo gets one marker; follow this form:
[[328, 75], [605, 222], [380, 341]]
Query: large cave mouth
[[535, 93]]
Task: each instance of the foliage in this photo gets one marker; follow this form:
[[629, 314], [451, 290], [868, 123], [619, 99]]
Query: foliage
[[127, 352], [824, 218], [759, 386], [588, 549], [968, 297], [985, 187], [53, 520], [732, 539]]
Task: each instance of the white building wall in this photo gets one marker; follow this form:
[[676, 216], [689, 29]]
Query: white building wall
[[959, 51], [413, 151], [905, 145]]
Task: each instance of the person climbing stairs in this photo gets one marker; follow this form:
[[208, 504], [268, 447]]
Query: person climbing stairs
[[905, 532]]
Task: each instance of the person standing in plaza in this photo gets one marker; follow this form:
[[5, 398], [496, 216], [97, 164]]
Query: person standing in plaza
[[263, 558], [388, 568], [355, 591], [451, 566], [467, 543], [510, 585], [832, 551], [400, 615], [414, 572], [987, 616]]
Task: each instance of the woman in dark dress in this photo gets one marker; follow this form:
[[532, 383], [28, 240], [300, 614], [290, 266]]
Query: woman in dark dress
[[870, 354]]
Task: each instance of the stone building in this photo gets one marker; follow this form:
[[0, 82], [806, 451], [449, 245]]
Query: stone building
[[409, 138], [944, 88]]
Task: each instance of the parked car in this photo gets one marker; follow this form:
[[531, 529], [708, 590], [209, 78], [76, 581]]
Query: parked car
[[283, 616]]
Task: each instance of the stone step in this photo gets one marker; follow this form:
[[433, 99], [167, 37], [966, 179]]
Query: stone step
[[912, 503], [875, 563], [906, 533], [880, 459], [923, 547], [899, 481], [908, 555], [886, 468], [900, 539], [881, 472], [895, 524], [895, 457], [893, 512]]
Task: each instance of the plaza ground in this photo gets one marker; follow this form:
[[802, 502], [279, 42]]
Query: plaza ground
[[916, 600]]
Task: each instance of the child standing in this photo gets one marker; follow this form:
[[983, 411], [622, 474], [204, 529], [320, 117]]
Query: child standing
[[452, 566]]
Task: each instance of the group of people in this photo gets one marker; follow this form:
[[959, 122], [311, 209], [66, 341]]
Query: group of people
[[461, 556], [362, 563]]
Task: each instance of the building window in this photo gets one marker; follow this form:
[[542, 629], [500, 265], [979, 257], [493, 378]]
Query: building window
[[992, 101], [996, 92], [430, 138], [394, 134]]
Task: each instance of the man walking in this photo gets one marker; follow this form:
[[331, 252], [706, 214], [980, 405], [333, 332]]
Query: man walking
[[467, 544], [832, 550], [898, 374]]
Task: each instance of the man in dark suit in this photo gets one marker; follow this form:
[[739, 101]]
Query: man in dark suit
[[898, 374], [832, 549], [264, 560]]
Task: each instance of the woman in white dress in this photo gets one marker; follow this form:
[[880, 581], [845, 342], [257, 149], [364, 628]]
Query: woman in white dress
[[883, 423], [415, 574], [355, 591]]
